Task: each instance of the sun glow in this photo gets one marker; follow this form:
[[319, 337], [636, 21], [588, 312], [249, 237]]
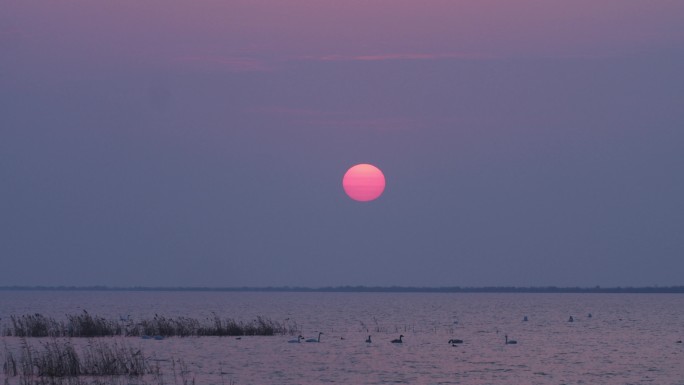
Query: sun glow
[[364, 182]]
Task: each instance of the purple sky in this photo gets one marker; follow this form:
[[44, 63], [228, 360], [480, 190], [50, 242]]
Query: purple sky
[[203, 143]]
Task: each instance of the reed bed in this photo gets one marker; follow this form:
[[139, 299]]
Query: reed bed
[[100, 362], [59, 362], [34, 325], [86, 325], [258, 327]]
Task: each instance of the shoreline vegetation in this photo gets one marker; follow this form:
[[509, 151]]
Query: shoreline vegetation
[[371, 289], [100, 362], [84, 325], [61, 360]]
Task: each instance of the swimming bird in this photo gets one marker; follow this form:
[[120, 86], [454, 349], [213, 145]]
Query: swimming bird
[[368, 340], [315, 339], [679, 342], [525, 319], [571, 319], [589, 316], [510, 342], [454, 341], [398, 341], [298, 340]]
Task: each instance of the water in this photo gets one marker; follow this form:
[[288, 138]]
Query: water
[[630, 338]]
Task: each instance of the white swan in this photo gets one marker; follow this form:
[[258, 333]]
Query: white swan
[[398, 341], [315, 339], [298, 340]]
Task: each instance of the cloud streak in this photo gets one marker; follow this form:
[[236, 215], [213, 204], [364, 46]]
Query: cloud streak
[[400, 56]]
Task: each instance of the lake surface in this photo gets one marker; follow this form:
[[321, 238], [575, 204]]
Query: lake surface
[[629, 339]]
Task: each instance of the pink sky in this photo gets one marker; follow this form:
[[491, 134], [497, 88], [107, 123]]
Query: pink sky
[[264, 34], [528, 142]]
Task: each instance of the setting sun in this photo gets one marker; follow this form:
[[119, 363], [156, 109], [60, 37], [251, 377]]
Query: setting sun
[[364, 182]]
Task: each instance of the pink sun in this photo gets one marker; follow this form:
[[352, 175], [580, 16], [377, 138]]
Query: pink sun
[[363, 182]]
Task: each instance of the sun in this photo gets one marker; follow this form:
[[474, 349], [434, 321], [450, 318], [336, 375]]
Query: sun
[[364, 182]]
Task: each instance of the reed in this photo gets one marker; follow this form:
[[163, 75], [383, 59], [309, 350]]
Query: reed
[[102, 359], [87, 325], [164, 326], [34, 325], [57, 359], [101, 362], [266, 327], [9, 365], [229, 327], [221, 327]]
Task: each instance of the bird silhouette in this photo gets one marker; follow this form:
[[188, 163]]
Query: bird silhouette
[[315, 339], [510, 342]]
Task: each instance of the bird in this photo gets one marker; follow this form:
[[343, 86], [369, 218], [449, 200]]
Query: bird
[[679, 342], [298, 340], [589, 315], [571, 319], [398, 340], [368, 340], [315, 339], [525, 319], [455, 341], [510, 342]]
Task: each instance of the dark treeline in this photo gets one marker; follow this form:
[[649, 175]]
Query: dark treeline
[[370, 289]]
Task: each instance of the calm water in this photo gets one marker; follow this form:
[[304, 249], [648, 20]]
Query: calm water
[[630, 338]]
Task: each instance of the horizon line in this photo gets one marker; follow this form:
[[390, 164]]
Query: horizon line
[[365, 289]]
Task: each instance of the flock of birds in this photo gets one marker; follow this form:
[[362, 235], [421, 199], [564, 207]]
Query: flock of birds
[[399, 340], [453, 342]]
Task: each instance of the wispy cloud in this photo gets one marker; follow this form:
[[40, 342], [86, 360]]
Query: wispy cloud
[[227, 63], [374, 124], [400, 56], [252, 64]]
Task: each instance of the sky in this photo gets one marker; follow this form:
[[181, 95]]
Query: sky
[[203, 143]]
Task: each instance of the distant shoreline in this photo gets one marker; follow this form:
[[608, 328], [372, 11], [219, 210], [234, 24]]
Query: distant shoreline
[[369, 289]]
